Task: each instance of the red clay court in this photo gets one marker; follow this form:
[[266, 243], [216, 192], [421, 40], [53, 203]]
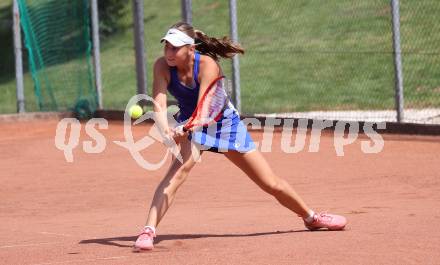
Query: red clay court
[[90, 211]]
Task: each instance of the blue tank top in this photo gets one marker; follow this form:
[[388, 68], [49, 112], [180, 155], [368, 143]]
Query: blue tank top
[[186, 97]]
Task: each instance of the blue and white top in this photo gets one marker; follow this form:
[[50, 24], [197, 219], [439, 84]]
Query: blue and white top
[[229, 133]]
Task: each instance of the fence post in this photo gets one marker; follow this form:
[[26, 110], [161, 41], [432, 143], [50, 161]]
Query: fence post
[[96, 52], [18, 58], [236, 95], [187, 11], [138, 16], [398, 74]]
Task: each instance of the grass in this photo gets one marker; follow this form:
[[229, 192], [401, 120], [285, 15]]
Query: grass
[[300, 55]]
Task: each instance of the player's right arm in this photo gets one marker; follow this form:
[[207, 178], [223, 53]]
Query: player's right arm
[[161, 80]]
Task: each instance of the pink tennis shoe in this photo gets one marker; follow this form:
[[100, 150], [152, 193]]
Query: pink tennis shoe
[[145, 239], [324, 220]]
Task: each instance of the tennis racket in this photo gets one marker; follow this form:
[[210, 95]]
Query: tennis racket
[[211, 106]]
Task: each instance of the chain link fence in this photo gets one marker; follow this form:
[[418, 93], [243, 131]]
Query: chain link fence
[[118, 53], [334, 59], [304, 59], [421, 59]]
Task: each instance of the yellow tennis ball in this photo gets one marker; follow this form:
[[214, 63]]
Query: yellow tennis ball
[[135, 111]]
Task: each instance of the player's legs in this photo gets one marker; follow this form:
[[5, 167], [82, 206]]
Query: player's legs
[[176, 175], [165, 192], [257, 169]]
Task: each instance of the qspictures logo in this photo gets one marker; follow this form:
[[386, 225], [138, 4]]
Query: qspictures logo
[[67, 136]]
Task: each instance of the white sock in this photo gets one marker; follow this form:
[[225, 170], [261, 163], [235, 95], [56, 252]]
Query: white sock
[[151, 227], [309, 218]]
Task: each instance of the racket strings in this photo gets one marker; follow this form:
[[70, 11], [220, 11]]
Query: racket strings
[[213, 104]]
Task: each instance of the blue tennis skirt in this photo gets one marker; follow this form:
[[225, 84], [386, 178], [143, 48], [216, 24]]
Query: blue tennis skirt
[[229, 133]]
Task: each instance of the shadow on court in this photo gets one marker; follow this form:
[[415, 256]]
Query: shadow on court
[[113, 241]]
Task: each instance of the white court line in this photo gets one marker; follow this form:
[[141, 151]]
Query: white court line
[[38, 244], [67, 235], [42, 243], [29, 245], [81, 260], [55, 234]]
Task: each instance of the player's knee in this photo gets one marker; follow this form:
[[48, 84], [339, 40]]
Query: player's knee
[[276, 187], [182, 173], [180, 177], [176, 181]]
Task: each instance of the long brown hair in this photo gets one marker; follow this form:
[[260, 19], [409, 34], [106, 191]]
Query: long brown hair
[[213, 47]]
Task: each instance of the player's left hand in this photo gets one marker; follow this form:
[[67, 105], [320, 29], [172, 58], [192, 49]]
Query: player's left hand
[[179, 134]]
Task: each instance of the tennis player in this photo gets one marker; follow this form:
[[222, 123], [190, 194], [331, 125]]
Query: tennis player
[[189, 65]]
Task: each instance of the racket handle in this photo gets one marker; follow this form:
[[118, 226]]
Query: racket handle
[[182, 128]]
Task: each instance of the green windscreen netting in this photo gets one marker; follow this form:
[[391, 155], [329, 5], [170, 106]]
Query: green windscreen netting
[[58, 40]]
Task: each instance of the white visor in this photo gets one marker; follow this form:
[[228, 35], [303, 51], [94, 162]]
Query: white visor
[[177, 38]]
